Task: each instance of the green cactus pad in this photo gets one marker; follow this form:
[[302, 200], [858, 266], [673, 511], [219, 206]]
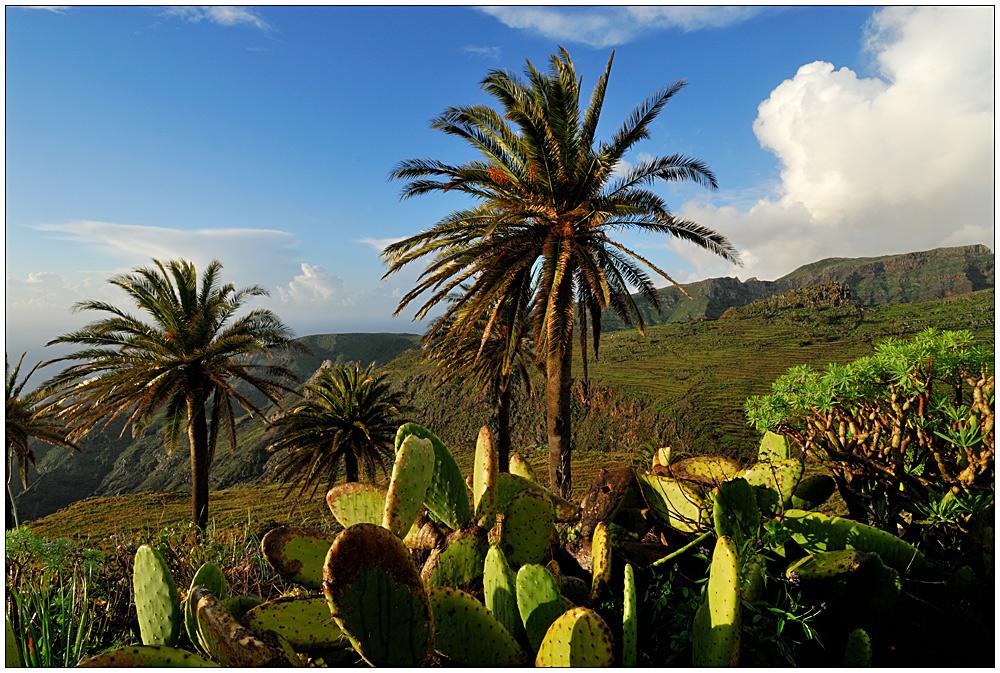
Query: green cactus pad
[[411, 477], [578, 637], [145, 656], [460, 561], [447, 497], [485, 468], [673, 502], [212, 578], [858, 653], [827, 565], [500, 592], [630, 619], [662, 456], [520, 467], [600, 558], [574, 588], [815, 531], [813, 492], [356, 502], [709, 470], [752, 580], [304, 621], [734, 511], [227, 641], [526, 526], [509, 485], [717, 625], [297, 554], [238, 606], [376, 596], [538, 601], [12, 657], [157, 603], [781, 476], [467, 633], [773, 448]]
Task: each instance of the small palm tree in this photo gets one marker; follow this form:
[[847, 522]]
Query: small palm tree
[[488, 357], [347, 418], [27, 416], [549, 197], [185, 362]]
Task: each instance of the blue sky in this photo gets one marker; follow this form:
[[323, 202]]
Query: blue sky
[[263, 137]]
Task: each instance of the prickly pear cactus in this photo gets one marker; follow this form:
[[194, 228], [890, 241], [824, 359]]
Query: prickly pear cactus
[[460, 561], [500, 592], [717, 625], [574, 588], [238, 606], [526, 527], [662, 456], [157, 603], [376, 597], [509, 485], [735, 512], [780, 476], [710, 470], [827, 565], [145, 656], [520, 467], [447, 497], [578, 637], [226, 640], [600, 555], [304, 621], [12, 658], [538, 601], [773, 448], [297, 554], [630, 619], [673, 502], [411, 477], [813, 492], [485, 468], [356, 502], [468, 634], [211, 577], [858, 653], [815, 531]]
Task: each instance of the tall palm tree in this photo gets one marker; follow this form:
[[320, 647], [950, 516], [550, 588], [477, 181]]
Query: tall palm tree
[[488, 359], [191, 360], [348, 417], [548, 197], [27, 416]]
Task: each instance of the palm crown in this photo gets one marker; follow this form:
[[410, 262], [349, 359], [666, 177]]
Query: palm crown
[[549, 197]]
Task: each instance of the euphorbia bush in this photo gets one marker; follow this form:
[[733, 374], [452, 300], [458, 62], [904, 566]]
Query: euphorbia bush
[[904, 426]]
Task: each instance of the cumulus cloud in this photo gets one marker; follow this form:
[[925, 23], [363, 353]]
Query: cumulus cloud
[[871, 166], [609, 26], [314, 285], [221, 15]]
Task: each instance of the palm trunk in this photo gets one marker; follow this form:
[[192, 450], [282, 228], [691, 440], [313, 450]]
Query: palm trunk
[[201, 462], [10, 502], [557, 372], [351, 466], [503, 429]]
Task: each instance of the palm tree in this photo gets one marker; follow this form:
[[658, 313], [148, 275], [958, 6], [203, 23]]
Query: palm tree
[[547, 198], [488, 359], [27, 416], [191, 361], [347, 417]]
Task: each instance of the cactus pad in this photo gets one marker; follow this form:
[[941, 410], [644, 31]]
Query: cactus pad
[[485, 468], [526, 526], [520, 467], [538, 601], [858, 653], [815, 531], [630, 619], [157, 603], [145, 656], [578, 637], [600, 555], [813, 492], [411, 477], [735, 512], [827, 565], [709, 470], [467, 633], [717, 625], [460, 561], [500, 592], [773, 447], [509, 485], [238, 606], [376, 596], [297, 554], [447, 497], [304, 621], [673, 502], [226, 640], [356, 502], [781, 476]]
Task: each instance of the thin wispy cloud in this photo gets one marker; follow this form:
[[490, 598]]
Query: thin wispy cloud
[[492, 53], [379, 244], [221, 15], [55, 9], [611, 26]]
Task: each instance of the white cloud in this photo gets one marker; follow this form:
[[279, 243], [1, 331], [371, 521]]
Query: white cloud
[[55, 9], [609, 26], [492, 53], [380, 244], [222, 15], [874, 166], [314, 285]]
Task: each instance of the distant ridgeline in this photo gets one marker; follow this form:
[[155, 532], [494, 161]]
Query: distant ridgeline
[[892, 279]]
